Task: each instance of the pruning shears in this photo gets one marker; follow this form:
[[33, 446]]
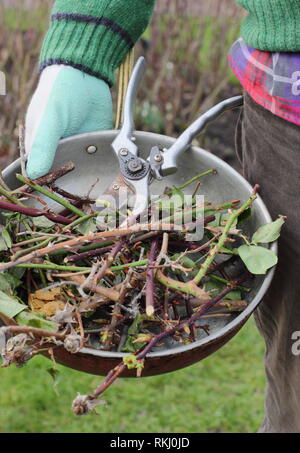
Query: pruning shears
[[138, 173]]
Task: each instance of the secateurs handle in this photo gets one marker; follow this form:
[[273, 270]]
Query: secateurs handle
[[170, 157]]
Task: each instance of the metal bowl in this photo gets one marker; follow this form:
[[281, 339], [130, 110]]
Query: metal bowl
[[94, 159]]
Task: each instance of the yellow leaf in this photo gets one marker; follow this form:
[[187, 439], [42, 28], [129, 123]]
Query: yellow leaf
[[187, 330], [47, 301], [48, 295], [50, 308]]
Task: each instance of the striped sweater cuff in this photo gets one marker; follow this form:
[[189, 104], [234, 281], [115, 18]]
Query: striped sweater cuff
[[272, 25], [94, 35]]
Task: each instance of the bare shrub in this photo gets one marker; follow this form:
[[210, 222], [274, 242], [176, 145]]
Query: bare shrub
[[186, 48]]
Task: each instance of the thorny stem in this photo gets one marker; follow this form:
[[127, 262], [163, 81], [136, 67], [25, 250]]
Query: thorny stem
[[10, 197], [119, 369], [88, 254], [186, 287], [57, 267], [41, 333], [83, 240], [71, 196], [195, 178], [110, 259], [51, 195], [216, 249], [31, 212]]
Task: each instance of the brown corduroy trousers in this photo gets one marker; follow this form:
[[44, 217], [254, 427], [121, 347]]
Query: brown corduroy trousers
[[268, 148]]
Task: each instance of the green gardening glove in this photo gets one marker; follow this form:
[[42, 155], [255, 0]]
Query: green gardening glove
[[67, 102]]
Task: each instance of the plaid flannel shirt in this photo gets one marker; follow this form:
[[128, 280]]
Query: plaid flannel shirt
[[272, 79]]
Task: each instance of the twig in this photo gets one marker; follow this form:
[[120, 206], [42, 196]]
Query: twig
[[150, 274], [195, 178], [110, 259], [71, 196], [50, 177], [50, 195], [215, 250], [31, 212], [88, 254], [119, 369], [34, 331]]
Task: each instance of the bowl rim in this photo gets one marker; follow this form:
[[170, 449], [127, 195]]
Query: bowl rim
[[238, 320]]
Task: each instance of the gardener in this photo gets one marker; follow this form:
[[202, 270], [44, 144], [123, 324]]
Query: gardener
[[88, 40]]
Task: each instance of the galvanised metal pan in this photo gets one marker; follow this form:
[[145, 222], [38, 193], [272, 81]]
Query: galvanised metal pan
[[93, 158]]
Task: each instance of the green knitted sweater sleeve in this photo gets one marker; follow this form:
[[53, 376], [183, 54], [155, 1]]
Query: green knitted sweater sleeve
[[94, 35], [272, 25]]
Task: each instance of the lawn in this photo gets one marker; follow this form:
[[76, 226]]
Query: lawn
[[223, 393]]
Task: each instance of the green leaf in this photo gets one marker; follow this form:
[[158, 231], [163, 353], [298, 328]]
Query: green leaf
[[178, 193], [87, 227], [258, 260], [269, 232], [244, 215], [8, 283], [228, 251], [221, 219], [55, 374], [3, 245], [34, 320], [9, 306], [42, 222], [133, 333], [186, 262], [174, 203], [214, 288], [7, 239]]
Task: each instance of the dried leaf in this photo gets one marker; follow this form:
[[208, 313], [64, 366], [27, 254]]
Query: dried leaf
[[47, 301], [51, 308], [48, 295]]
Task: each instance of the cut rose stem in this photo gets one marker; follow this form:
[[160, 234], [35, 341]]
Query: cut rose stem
[[31, 212], [86, 270], [51, 195], [88, 254], [71, 196], [41, 333], [86, 239], [109, 260], [150, 274], [221, 242], [70, 225], [106, 247]]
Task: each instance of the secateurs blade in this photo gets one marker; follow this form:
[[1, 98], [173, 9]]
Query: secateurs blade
[[138, 173]]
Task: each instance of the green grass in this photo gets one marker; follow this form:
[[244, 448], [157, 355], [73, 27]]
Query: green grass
[[223, 393]]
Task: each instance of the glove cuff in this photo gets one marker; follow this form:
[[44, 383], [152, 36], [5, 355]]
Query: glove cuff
[[94, 36]]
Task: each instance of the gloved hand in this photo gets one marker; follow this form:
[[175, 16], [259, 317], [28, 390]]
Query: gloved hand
[[66, 102]]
